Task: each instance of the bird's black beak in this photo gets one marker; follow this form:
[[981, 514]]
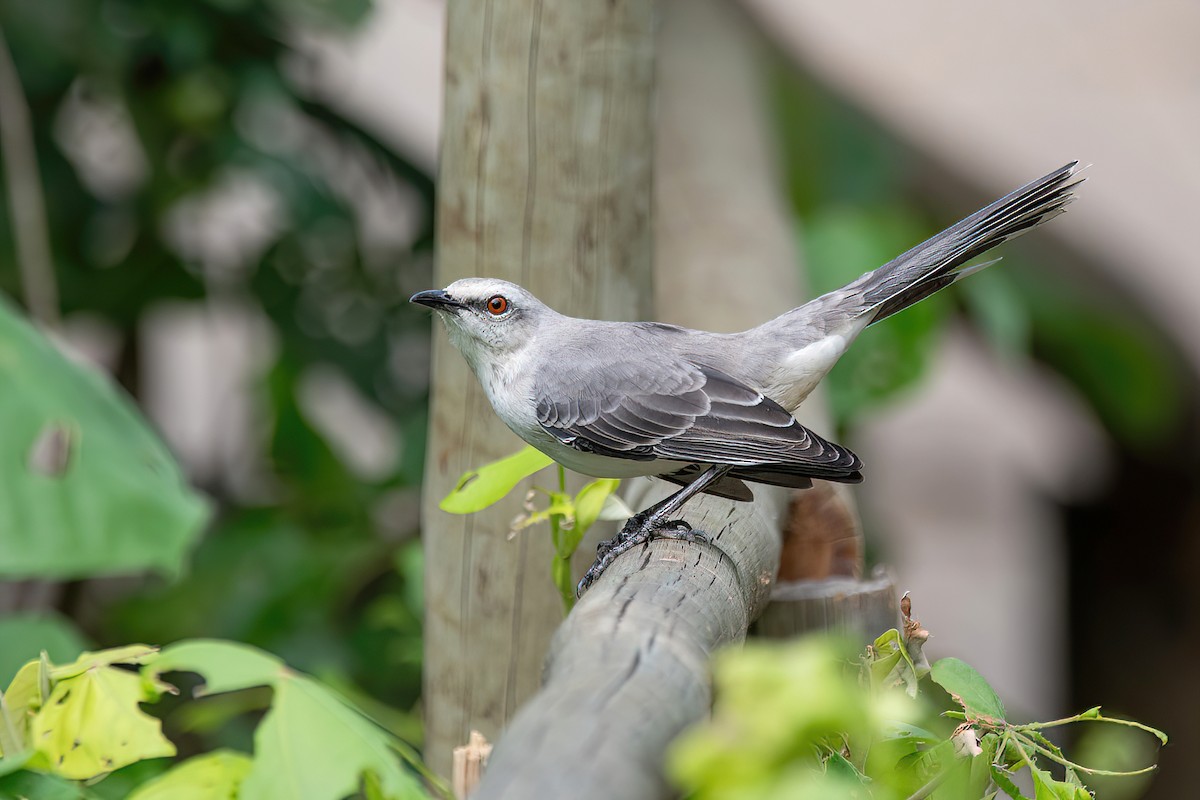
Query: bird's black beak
[[436, 299]]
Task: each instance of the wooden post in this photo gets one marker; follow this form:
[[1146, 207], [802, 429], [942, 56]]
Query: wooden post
[[545, 179]]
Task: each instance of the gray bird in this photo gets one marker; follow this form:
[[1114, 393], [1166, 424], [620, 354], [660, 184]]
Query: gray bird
[[706, 410]]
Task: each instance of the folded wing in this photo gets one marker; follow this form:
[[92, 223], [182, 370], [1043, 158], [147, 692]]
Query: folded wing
[[692, 413]]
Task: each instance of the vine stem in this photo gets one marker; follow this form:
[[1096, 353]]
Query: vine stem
[[26, 202], [1037, 726], [1067, 763], [565, 589]]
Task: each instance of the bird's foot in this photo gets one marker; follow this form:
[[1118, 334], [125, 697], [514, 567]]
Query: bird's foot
[[638, 531]]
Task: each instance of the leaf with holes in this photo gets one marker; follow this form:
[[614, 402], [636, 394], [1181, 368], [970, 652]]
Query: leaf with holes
[[91, 724], [86, 488]]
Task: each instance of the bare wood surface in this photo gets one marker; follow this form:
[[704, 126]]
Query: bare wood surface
[[861, 608], [544, 180], [469, 763]]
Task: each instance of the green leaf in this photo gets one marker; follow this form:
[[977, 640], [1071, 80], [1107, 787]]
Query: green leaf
[[311, 743], [213, 776], [981, 766], [968, 688], [128, 654], [588, 505], [904, 731], [26, 635], [1046, 788], [36, 786], [1005, 782], [225, 666], [21, 701], [480, 488], [838, 765], [312, 746], [86, 488], [892, 665], [91, 724]]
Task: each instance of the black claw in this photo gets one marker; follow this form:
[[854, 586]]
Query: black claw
[[629, 538]]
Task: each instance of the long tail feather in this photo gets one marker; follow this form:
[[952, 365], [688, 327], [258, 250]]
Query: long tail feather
[[934, 264]]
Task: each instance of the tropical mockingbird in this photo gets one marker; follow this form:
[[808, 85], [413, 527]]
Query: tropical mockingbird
[[706, 410]]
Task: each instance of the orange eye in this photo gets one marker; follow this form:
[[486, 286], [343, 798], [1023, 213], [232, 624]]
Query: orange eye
[[497, 304]]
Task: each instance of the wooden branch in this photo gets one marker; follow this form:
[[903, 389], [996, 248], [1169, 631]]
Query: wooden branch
[[544, 180]]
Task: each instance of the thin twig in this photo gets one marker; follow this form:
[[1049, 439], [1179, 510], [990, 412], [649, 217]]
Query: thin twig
[[26, 203]]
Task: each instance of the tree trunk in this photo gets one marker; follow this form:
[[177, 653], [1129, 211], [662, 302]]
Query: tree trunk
[[545, 180]]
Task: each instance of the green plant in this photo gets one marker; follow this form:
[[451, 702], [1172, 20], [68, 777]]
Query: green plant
[[569, 516], [67, 727], [816, 719]]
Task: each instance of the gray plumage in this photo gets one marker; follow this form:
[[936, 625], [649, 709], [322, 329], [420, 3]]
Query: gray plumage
[[619, 399]]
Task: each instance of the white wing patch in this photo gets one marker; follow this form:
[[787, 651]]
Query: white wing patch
[[800, 372]]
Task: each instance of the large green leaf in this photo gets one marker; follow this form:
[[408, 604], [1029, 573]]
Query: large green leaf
[[85, 487], [311, 744], [91, 724]]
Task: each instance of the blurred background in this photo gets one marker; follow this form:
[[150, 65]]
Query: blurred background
[[238, 201]]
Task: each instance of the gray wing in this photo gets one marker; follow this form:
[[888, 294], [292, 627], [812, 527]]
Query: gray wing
[[683, 411]]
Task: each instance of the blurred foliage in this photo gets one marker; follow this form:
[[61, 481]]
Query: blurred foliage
[[83, 720], [89, 489], [186, 157], [859, 196], [814, 719]]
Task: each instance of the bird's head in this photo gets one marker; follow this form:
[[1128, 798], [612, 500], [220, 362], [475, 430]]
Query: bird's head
[[486, 317]]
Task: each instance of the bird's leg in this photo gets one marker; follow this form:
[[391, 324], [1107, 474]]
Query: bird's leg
[[653, 523]]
